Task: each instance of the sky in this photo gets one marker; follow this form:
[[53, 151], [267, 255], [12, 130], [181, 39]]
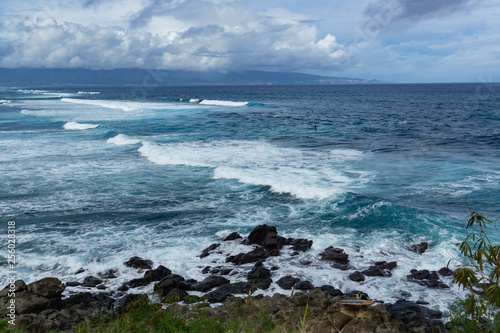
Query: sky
[[387, 40]]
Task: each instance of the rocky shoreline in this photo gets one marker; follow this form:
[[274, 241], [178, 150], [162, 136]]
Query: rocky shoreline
[[41, 307]]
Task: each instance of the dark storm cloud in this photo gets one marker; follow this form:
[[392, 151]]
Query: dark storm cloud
[[408, 12]]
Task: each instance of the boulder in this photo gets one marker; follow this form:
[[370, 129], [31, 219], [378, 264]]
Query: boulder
[[301, 244], [210, 282], [287, 282], [237, 288], [419, 248], [19, 286], [139, 263], [335, 254], [381, 268], [217, 296], [258, 273], [206, 252], [109, 274], [332, 291], [168, 282], [49, 287], [175, 295], [303, 285], [91, 281], [426, 278], [265, 236], [156, 274], [232, 236], [35, 323], [357, 276], [445, 271], [246, 258]]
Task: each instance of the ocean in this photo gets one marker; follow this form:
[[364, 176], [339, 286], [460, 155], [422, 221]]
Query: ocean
[[94, 175]]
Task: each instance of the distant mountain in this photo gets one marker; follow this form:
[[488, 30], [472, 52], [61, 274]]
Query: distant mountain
[[135, 76]]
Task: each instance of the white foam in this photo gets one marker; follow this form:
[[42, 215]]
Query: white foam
[[222, 103], [72, 125], [194, 100], [27, 112], [301, 173], [122, 140], [128, 106], [89, 92]]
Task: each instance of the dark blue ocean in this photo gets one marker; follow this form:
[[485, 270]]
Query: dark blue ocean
[[95, 175]]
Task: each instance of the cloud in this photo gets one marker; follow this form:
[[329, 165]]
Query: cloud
[[260, 44], [396, 14]]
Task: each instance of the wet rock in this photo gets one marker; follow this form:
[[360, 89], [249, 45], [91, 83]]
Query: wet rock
[[139, 263], [81, 270], [169, 282], [73, 284], [246, 258], [357, 276], [49, 287], [332, 290], [426, 278], [210, 282], [303, 285], [265, 236], [91, 281], [381, 268], [287, 282], [217, 296], [263, 284], [187, 284], [232, 236], [109, 274], [445, 271], [419, 248], [301, 244], [335, 254], [259, 273], [206, 252], [156, 274], [237, 288], [101, 287]]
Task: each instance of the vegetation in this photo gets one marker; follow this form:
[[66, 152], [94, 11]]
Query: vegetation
[[479, 274], [144, 316]]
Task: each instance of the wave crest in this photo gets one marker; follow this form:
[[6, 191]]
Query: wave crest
[[72, 125]]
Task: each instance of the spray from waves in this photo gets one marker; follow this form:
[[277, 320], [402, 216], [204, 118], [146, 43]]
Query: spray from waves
[[303, 174], [221, 103], [123, 140], [72, 125]]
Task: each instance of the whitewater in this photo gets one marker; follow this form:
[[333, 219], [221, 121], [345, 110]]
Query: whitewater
[[93, 176]]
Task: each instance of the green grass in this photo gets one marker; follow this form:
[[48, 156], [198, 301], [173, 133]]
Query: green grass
[[144, 316]]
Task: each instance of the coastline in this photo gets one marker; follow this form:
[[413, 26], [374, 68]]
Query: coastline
[[42, 302]]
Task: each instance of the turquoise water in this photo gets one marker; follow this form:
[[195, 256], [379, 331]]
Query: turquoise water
[[95, 175]]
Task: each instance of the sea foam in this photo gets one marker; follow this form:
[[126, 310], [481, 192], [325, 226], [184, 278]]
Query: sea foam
[[222, 103], [72, 125], [303, 174], [123, 140]]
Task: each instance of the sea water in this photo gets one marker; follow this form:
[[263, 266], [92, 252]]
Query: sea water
[[93, 176]]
